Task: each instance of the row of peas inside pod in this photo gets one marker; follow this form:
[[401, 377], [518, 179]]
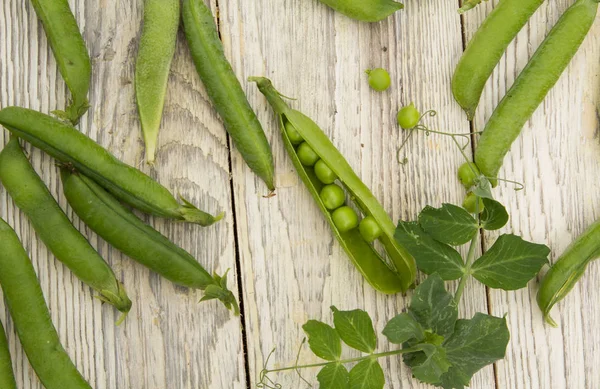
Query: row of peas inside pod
[[332, 195]]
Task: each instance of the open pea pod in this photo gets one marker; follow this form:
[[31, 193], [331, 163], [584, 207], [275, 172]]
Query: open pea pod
[[365, 257]]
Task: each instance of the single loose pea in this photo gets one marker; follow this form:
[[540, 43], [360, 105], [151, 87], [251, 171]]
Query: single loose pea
[[306, 154], [408, 117], [332, 196], [467, 174], [345, 218], [370, 229], [324, 173], [293, 134], [379, 79], [470, 203]]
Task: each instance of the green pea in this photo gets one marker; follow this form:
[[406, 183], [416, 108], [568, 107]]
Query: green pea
[[568, 269], [388, 275], [70, 146], [345, 218], [306, 154], [225, 91], [408, 117], [365, 10], [54, 228], [533, 84], [156, 50], [333, 196], [105, 215], [379, 79], [293, 134], [486, 48], [69, 51], [7, 376], [468, 174], [470, 203], [324, 173], [29, 312], [370, 229]]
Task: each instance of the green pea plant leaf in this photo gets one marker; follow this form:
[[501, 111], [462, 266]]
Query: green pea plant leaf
[[449, 224], [438, 347], [494, 215], [431, 256]]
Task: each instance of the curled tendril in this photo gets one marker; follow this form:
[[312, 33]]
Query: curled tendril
[[518, 185], [297, 360], [264, 380]]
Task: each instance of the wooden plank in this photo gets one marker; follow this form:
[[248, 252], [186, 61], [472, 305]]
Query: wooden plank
[[292, 267], [168, 340], [556, 157]]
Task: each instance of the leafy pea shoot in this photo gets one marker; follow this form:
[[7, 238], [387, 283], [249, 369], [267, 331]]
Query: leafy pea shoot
[[439, 348]]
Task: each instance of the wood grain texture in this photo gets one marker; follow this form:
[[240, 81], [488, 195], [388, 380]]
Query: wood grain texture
[[291, 267], [556, 157], [168, 340]]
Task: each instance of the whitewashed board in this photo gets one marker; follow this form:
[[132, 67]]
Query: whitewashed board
[[285, 263]]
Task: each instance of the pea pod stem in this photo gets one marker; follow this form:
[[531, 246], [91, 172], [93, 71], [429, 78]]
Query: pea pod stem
[[225, 90], [157, 47], [365, 10], [31, 318], [123, 230], [53, 227], [532, 85], [368, 261], [568, 269], [127, 183], [487, 46], [70, 53], [7, 376]]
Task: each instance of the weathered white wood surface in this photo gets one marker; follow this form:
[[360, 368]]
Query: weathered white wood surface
[[291, 267], [168, 340], [557, 158]]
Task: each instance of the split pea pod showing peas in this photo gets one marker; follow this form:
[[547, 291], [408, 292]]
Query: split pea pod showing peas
[[157, 47], [53, 227], [365, 10], [225, 90], [532, 85], [122, 229], [330, 198], [70, 53], [31, 318], [7, 376], [70, 146], [568, 269], [486, 48]]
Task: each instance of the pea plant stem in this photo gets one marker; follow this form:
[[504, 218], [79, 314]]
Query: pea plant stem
[[344, 361], [470, 258]]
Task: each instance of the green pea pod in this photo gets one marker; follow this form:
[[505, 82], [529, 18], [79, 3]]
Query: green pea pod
[[568, 269], [157, 47], [532, 85], [7, 376], [364, 256], [127, 183], [365, 10], [486, 48], [53, 227], [225, 90], [70, 53], [31, 318], [123, 230]]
